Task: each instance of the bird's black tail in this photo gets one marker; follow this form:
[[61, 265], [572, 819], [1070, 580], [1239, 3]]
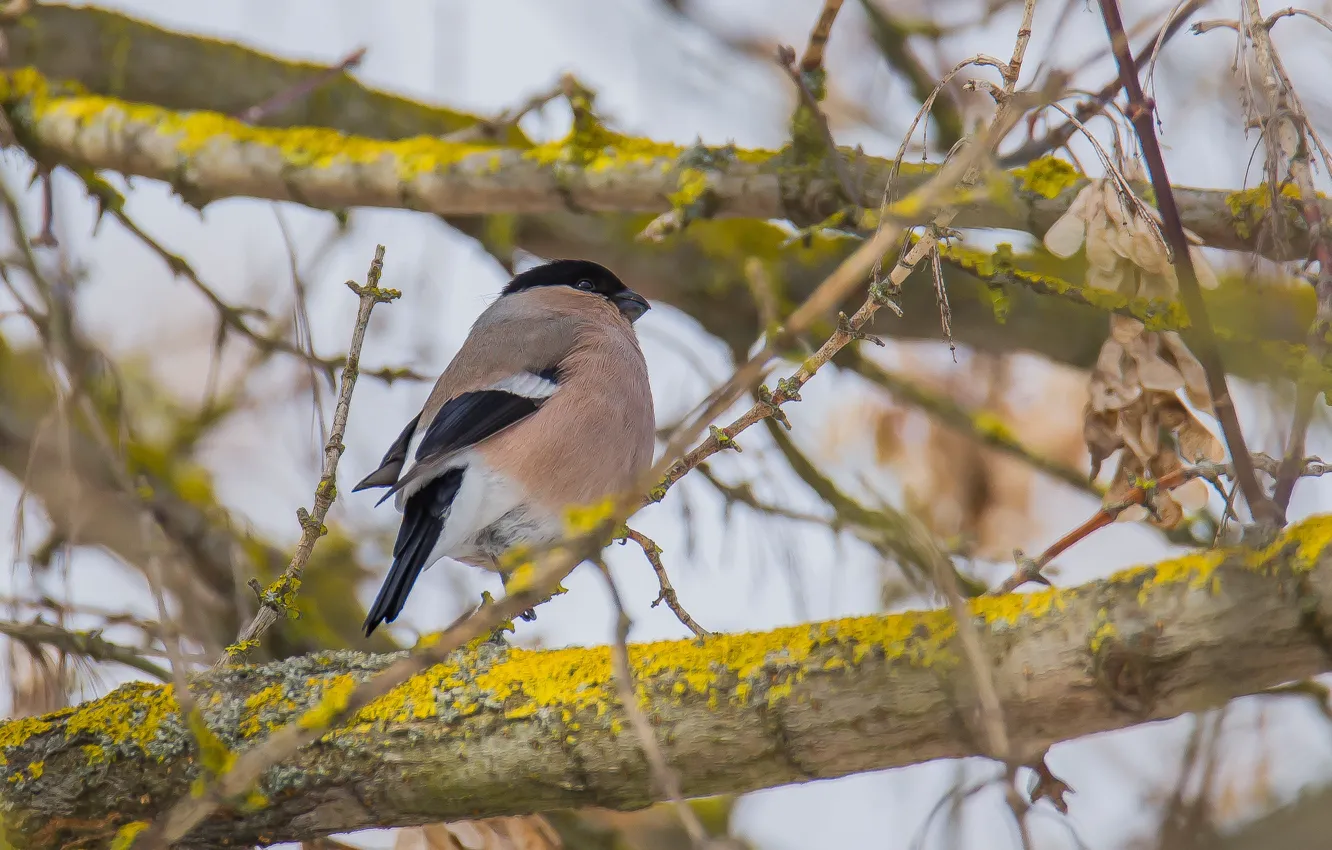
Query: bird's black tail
[[422, 522]]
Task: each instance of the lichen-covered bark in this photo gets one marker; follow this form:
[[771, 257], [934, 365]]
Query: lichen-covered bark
[[701, 271], [113, 54], [500, 730], [67, 472], [207, 156]]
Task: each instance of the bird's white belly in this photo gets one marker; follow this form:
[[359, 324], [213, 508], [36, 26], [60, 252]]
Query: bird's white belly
[[488, 516]]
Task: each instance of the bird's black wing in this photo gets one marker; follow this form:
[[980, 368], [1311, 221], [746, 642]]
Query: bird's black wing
[[391, 466], [422, 522], [463, 421], [474, 416]]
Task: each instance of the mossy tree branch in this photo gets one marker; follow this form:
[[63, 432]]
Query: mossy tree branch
[[116, 55], [699, 270], [499, 731], [209, 156]]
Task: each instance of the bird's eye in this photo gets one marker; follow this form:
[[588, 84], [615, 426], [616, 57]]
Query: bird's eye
[[585, 285]]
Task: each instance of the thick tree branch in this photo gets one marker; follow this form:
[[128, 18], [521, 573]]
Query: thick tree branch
[[112, 54], [498, 731], [208, 156]]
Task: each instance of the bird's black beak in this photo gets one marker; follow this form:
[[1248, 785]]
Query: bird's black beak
[[631, 305]]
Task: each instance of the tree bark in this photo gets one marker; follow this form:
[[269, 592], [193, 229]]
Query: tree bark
[[503, 731], [209, 156]]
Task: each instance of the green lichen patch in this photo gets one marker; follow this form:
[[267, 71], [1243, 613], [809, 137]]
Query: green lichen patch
[[1249, 207], [1048, 176]]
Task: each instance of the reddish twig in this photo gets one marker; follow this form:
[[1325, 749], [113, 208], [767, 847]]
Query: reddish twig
[[301, 90], [1030, 569], [1085, 110], [1140, 109]]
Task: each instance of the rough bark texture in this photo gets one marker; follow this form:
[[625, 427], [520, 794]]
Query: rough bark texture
[[208, 156], [502, 730], [116, 55], [699, 270]]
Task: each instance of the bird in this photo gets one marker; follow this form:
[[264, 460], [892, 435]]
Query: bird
[[545, 406]]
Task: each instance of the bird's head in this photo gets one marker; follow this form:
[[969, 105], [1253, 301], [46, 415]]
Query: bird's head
[[583, 276]]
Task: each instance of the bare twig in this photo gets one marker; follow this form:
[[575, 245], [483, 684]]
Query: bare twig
[[1059, 137], [1029, 569], [301, 90], [812, 60], [192, 809], [89, 644], [665, 778], [834, 289], [1264, 511], [493, 129], [277, 598], [667, 593], [994, 729], [786, 59], [1287, 134]]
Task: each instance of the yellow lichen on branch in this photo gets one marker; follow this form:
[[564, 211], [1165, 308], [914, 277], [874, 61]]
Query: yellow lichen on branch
[[208, 156], [498, 729]]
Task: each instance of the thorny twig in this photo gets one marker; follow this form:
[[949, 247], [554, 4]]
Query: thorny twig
[[1287, 133], [1140, 112], [667, 593], [663, 776], [1029, 569], [89, 644], [277, 598], [301, 90]]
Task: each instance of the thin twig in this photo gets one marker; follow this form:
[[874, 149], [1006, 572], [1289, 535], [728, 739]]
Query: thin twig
[[276, 600], [667, 593], [1286, 134], [560, 559], [1057, 138], [994, 729], [833, 290], [89, 644], [1140, 110], [493, 129], [1029, 569], [301, 90], [189, 811], [786, 59], [812, 60], [663, 776]]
